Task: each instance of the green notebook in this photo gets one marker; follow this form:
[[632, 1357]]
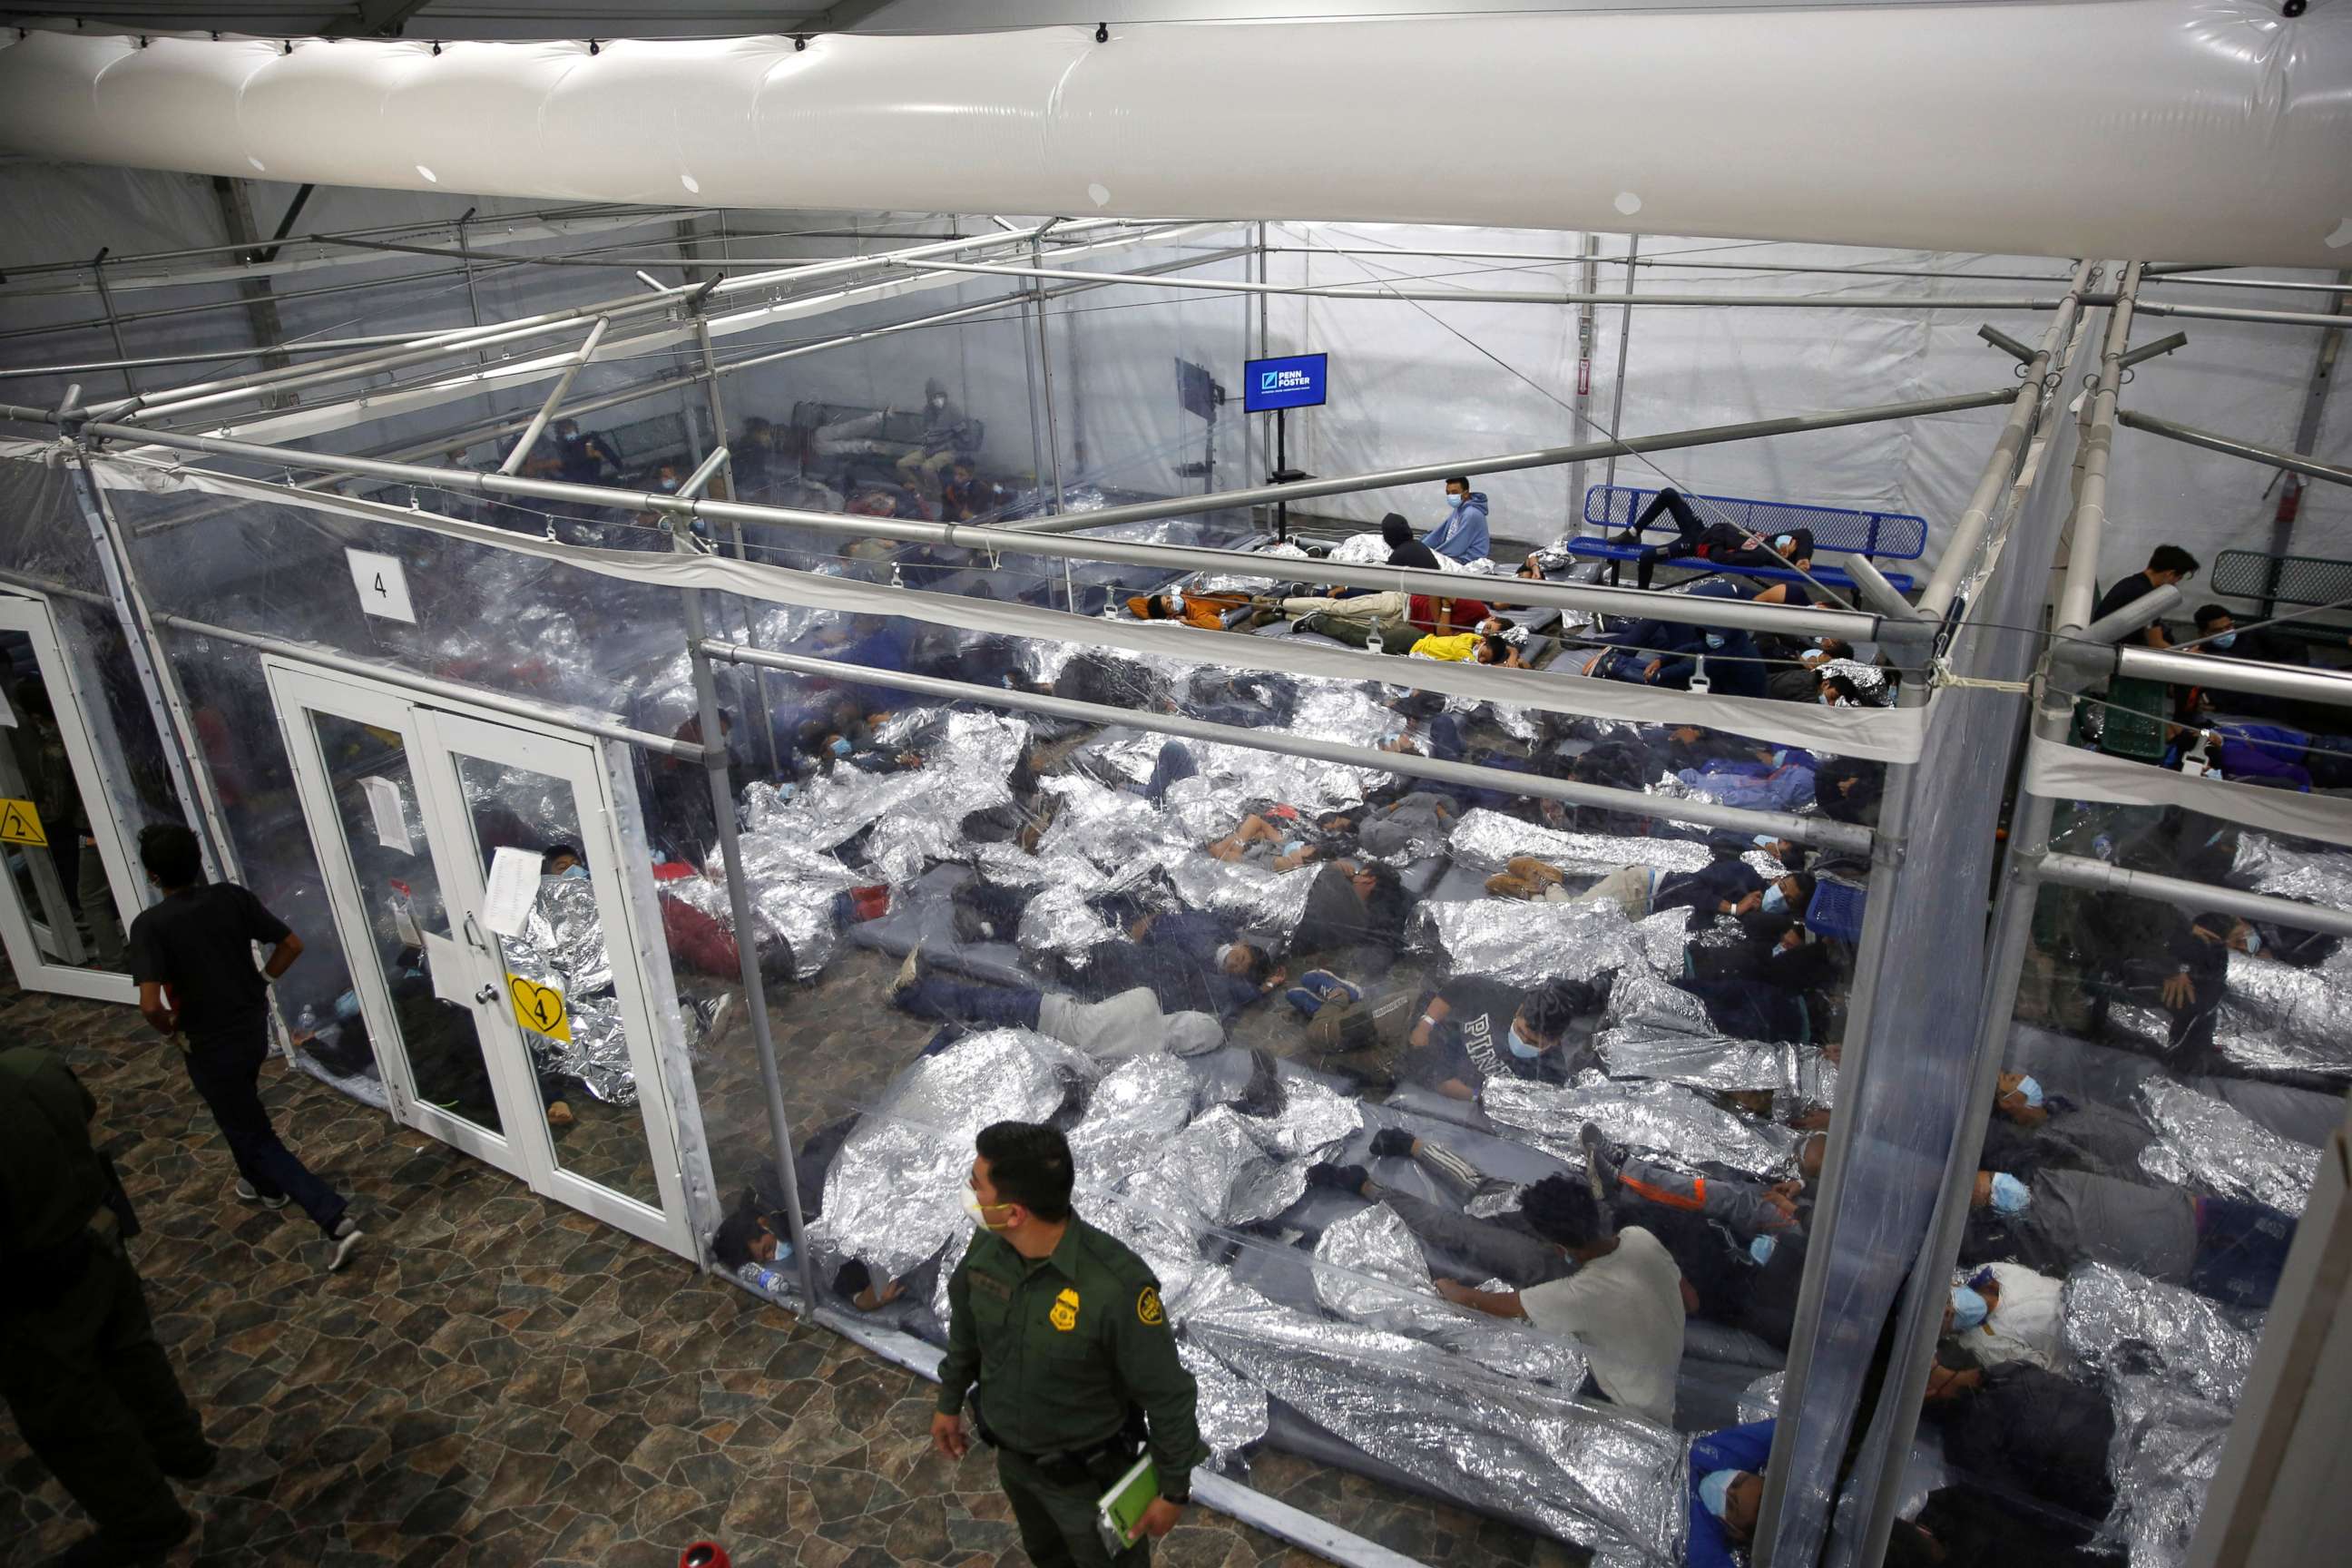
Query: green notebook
[[1119, 1510]]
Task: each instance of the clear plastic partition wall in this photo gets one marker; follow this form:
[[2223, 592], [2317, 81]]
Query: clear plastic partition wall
[[1400, 964]]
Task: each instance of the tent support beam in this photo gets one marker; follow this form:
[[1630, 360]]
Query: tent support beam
[[1853, 625], [1819, 830]]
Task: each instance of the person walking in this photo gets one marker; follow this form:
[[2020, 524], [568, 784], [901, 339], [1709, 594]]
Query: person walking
[[1062, 1328], [191, 958], [79, 1365]]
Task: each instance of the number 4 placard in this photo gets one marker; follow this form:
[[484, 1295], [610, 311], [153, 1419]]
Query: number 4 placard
[[382, 586]]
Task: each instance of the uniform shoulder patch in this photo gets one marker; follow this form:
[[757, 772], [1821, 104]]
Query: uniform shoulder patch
[[1148, 1310]]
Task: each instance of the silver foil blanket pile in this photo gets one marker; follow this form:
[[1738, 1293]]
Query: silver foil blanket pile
[[1657, 1030], [2114, 1319], [2274, 1017], [792, 887], [1523, 1449], [2167, 1450], [1663, 1118], [2280, 867], [895, 1194], [1488, 839], [918, 813], [1103, 840], [1527, 944], [1240, 775], [2211, 1147], [562, 944], [1371, 1270]]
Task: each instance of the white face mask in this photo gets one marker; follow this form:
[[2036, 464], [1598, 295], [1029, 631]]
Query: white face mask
[[1222, 953], [974, 1211]]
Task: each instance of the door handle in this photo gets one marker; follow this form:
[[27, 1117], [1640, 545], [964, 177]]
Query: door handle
[[487, 994], [474, 933]]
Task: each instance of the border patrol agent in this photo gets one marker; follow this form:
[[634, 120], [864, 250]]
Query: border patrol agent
[[91, 1390], [1062, 1328]]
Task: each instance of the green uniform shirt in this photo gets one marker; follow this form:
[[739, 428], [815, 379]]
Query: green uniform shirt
[[1063, 1346], [50, 1179]]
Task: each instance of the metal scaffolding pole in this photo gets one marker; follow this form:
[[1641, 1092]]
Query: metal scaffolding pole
[[1557, 296], [2000, 471], [530, 432], [2089, 526], [1540, 457], [1817, 830], [113, 322], [1854, 626], [167, 704], [474, 433], [1588, 249], [2295, 462], [1918, 1317], [1045, 377], [716, 407], [1624, 337], [746, 920]]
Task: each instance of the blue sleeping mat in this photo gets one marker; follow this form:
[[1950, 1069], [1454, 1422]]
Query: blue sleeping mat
[[925, 913]]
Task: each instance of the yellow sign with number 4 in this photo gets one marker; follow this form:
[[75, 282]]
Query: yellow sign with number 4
[[539, 1008]]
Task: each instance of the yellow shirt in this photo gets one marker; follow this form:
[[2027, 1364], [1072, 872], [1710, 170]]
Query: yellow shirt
[[1454, 648]]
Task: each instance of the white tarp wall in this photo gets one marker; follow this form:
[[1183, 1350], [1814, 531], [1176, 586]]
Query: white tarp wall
[[1411, 382], [1414, 382]]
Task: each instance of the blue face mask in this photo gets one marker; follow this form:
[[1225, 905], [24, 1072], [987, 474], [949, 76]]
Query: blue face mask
[[2253, 943], [1776, 902], [840, 747], [2008, 1194], [2225, 640], [575, 873], [1765, 841], [2029, 1090], [1761, 1250], [1715, 639], [1527, 1050]]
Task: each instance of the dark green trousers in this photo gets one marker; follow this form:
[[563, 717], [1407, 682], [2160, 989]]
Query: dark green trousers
[[96, 1399], [1057, 1521]]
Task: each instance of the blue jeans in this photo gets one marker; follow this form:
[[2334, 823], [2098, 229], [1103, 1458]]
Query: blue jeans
[[955, 1001], [227, 1075], [2240, 1248]]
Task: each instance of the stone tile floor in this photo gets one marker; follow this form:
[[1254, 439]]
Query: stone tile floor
[[498, 1380]]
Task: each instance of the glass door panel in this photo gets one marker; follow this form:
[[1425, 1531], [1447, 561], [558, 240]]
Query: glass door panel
[[390, 862]]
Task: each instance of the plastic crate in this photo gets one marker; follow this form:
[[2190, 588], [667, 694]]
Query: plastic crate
[[1836, 910]]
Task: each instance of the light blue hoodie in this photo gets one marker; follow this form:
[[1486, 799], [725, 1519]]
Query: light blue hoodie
[[1463, 534]]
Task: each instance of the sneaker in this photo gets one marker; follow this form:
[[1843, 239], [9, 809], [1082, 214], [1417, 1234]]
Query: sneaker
[[1392, 1144], [247, 1191], [1601, 1159], [346, 1239], [1305, 1000], [1328, 985]]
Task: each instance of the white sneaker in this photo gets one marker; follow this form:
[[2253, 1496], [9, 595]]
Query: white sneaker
[[347, 1241], [247, 1191]]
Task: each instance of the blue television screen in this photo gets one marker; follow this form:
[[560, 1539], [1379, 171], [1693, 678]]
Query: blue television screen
[[1293, 381]]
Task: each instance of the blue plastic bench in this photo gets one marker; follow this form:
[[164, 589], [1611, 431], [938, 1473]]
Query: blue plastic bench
[[1880, 535]]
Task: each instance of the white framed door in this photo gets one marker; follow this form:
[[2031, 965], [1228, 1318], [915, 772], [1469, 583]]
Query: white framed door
[[407, 800], [66, 902]]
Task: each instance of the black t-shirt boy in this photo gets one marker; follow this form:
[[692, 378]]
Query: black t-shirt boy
[[198, 943]]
